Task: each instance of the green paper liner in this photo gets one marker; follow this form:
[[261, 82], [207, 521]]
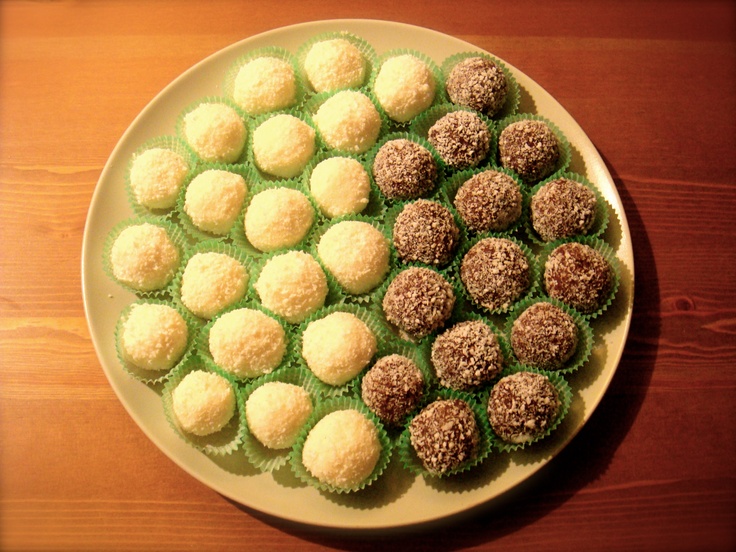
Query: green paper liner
[[513, 95], [585, 335], [221, 443], [601, 247], [564, 393], [153, 377], [172, 143], [176, 236], [411, 461], [327, 407]]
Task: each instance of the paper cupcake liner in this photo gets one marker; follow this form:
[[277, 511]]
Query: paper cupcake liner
[[323, 409], [602, 210], [564, 393], [221, 443], [511, 105], [585, 336], [412, 462]]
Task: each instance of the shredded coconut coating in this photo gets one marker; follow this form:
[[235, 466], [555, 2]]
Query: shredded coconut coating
[[215, 132], [522, 406], [276, 413], [212, 282], [467, 355], [283, 145], [278, 218], [495, 272], [247, 343], [156, 177], [404, 87], [203, 403], [544, 336], [348, 122], [579, 276], [265, 84], [489, 201], [213, 200], [404, 169], [340, 186], [530, 149], [445, 435], [392, 388], [292, 285], [335, 64], [563, 208], [356, 254], [478, 83], [342, 449], [418, 301], [144, 257], [154, 337], [337, 347], [461, 138], [426, 232]]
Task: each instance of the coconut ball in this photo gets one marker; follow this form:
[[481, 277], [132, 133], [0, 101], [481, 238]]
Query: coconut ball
[[211, 282], [340, 186], [278, 218], [157, 176], [283, 145], [213, 200], [404, 86], [154, 337], [215, 132], [276, 412], [265, 84], [348, 122], [335, 64], [203, 403], [144, 257]]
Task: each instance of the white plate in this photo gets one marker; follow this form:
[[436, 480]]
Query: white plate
[[397, 499]]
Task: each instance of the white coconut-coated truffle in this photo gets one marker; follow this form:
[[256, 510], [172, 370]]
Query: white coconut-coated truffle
[[212, 282], [203, 403], [335, 64], [348, 122], [247, 343], [265, 84], [292, 285], [213, 200], [276, 412], [283, 145], [340, 186], [342, 449], [356, 254], [337, 347], [156, 177], [404, 86], [154, 337], [215, 132], [277, 218], [144, 257]]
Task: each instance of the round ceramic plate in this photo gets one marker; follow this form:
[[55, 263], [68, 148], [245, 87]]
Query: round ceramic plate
[[397, 499]]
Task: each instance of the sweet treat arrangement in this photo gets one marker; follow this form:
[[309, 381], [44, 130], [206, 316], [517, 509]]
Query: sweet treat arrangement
[[351, 257]]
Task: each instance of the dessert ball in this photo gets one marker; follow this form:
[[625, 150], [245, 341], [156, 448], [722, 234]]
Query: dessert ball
[[489, 201], [247, 343], [340, 186], [157, 176], [348, 121], [404, 86], [529, 148], [203, 403], [404, 169], [418, 301], [214, 199], [283, 145], [426, 232], [392, 388], [153, 337], [265, 84], [337, 347], [522, 407], [211, 282], [563, 208], [467, 355], [544, 336], [334, 64], [496, 273], [278, 218], [215, 132], [276, 413], [478, 83], [461, 139], [144, 257]]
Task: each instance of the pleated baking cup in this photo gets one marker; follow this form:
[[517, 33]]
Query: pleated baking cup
[[600, 216], [150, 376], [176, 237], [602, 248], [234, 157], [564, 395], [228, 85], [220, 443], [196, 231], [142, 206], [583, 346], [513, 94], [344, 454], [366, 50], [414, 464], [264, 458]]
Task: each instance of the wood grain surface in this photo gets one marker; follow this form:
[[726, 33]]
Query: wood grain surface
[[652, 83]]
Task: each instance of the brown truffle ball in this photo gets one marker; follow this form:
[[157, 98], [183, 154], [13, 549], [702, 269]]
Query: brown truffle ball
[[544, 336], [489, 201], [563, 208], [530, 149], [478, 83], [392, 388], [426, 232], [404, 169], [461, 139], [579, 276]]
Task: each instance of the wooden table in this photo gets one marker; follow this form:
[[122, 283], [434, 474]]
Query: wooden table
[[653, 84]]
